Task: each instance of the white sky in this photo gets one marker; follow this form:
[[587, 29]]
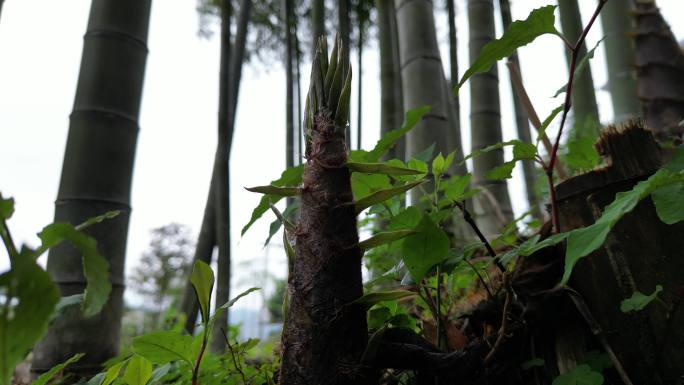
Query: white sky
[[40, 53]]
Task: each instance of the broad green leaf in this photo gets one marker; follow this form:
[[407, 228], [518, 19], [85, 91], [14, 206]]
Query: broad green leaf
[[581, 65], [23, 324], [382, 195], [275, 190], [383, 238], [424, 249], [290, 177], [112, 373], [371, 299], [95, 267], [419, 165], [524, 151], [668, 203], [547, 122], [676, 162], [47, 376], [504, 171], [581, 154], [638, 300], [138, 371], [365, 184], [381, 168], [406, 219], [162, 347], [582, 242], [65, 303], [520, 33], [96, 379], [412, 117], [6, 208], [580, 375], [282, 218], [597, 361], [455, 187], [202, 279]]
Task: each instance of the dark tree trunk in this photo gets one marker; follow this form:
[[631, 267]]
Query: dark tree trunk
[[96, 177], [391, 108], [324, 337], [522, 122], [222, 193], [660, 72]]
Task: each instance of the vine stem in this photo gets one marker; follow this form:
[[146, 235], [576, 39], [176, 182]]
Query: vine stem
[[469, 219], [195, 370], [574, 50]]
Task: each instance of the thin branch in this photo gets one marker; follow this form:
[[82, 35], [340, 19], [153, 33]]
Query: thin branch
[[566, 109], [238, 367], [480, 277], [504, 323], [469, 219]]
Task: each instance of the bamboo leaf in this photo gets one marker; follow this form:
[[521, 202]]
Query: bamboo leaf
[[47, 376], [383, 238], [275, 190], [370, 299], [520, 33], [383, 195], [381, 168]]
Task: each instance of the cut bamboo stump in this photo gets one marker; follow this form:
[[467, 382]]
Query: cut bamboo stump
[[639, 253]]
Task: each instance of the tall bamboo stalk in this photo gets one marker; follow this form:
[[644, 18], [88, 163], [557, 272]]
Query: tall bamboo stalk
[[96, 177], [317, 22], [493, 206], [391, 99], [584, 105], [617, 26], [522, 122]]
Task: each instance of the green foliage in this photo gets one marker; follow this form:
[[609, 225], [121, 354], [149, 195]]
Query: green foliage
[[275, 190], [547, 122], [381, 168], [162, 347], [30, 297], [424, 249], [384, 237], [581, 65], [638, 301], [202, 279], [580, 375], [382, 195], [138, 371], [47, 376], [371, 299], [521, 32], [668, 203]]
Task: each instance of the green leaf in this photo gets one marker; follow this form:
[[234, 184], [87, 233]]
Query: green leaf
[[582, 242], [370, 299], [597, 361], [581, 154], [138, 371], [580, 375], [164, 346], [638, 300], [524, 151], [668, 203], [383, 195], [95, 267], [160, 372], [65, 303], [438, 165], [547, 122], [455, 187], [275, 190], [6, 208], [202, 279], [504, 171], [290, 177], [425, 155], [381, 168], [96, 379], [535, 362], [520, 33], [98, 219], [281, 219], [112, 373], [424, 249], [406, 219], [581, 65], [232, 301], [383, 238], [491, 148], [412, 117], [23, 324], [47, 376], [365, 184]]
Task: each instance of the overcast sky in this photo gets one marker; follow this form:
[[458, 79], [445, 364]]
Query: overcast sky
[[40, 53]]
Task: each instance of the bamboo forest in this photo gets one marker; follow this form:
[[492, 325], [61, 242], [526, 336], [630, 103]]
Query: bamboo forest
[[352, 192]]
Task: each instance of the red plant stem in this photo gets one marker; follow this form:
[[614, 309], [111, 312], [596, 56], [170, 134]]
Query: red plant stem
[[566, 109], [195, 370]]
